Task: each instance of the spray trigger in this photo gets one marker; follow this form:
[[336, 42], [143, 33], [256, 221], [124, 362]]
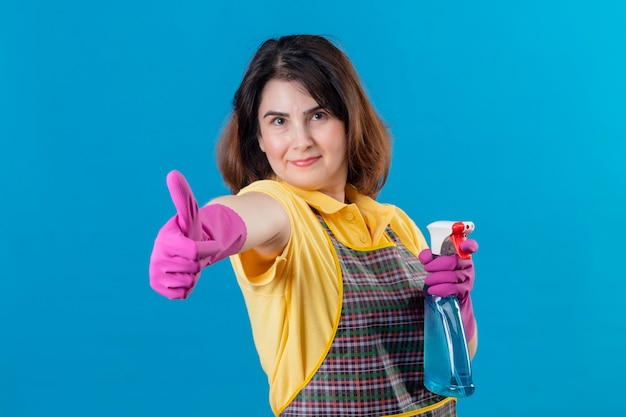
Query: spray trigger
[[460, 230], [446, 237]]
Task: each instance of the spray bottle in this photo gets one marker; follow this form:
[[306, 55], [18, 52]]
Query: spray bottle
[[447, 367]]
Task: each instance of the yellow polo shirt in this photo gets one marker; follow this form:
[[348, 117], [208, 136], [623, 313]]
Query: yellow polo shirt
[[295, 305]]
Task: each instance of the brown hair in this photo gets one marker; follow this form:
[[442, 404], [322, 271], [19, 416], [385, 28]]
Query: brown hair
[[330, 78]]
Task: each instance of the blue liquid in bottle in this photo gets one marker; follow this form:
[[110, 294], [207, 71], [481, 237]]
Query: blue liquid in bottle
[[447, 366]]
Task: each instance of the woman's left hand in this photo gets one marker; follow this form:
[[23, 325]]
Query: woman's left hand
[[452, 275]]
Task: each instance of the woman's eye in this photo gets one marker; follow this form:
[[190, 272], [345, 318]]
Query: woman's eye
[[279, 121], [319, 116]]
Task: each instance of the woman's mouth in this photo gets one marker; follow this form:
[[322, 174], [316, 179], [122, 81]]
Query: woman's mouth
[[305, 162]]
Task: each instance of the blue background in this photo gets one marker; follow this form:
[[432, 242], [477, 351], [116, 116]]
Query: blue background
[[510, 114]]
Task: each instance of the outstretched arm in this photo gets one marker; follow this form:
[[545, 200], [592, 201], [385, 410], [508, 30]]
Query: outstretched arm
[[197, 237]]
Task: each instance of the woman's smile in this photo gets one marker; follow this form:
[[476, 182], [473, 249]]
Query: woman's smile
[[306, 161]]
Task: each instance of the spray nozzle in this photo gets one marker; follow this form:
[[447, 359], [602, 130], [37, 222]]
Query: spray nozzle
[[446, 237]]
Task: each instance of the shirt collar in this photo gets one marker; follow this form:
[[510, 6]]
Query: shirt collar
[[323, 203]]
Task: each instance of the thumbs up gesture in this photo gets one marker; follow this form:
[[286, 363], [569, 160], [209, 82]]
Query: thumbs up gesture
[[191, 240]]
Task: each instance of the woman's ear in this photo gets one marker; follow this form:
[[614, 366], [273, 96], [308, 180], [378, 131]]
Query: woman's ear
[[259, 138]]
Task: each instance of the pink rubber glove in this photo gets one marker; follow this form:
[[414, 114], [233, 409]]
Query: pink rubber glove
[[191, 240], [451, 275]]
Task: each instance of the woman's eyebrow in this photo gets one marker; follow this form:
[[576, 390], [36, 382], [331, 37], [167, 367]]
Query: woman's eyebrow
[[313, 110], [281, 114], [275, 113]]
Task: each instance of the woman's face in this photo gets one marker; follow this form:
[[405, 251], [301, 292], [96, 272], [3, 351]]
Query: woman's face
[[304, 143]]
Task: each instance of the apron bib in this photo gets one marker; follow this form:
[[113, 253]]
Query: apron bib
[[375, 365]]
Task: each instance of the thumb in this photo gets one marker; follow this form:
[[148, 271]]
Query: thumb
[[186, 205], [425, 256]]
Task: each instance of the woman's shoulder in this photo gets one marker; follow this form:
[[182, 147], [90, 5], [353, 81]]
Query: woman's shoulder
[[264, 185], [273, 188], [278, 191], [406, 227]]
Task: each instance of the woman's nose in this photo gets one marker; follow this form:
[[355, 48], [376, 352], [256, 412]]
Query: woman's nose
[[301, 137]]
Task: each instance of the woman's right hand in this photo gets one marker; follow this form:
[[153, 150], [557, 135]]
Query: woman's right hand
[[191, 240]]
